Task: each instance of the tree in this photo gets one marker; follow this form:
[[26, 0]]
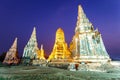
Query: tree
[[2, 56]]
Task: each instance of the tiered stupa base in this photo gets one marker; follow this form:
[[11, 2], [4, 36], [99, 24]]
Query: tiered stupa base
[[94, 66], [40, 62], [92, 59], [26, 61], [60, 63], [11, 62]]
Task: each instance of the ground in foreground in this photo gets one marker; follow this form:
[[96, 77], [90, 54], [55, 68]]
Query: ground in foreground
[[48, 73]]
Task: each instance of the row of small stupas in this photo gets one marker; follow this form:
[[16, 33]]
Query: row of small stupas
[[86, 46]]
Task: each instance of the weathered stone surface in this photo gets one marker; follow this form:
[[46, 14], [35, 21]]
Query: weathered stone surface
[[60, 50], [41, 60], [30, 50], [87, 44], [12, 55]]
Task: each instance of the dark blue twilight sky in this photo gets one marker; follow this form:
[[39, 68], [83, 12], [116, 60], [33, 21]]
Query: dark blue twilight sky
[[18, 17]]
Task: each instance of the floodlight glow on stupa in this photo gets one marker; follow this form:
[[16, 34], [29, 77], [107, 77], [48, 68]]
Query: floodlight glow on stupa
[[60, 49], [87, 43]]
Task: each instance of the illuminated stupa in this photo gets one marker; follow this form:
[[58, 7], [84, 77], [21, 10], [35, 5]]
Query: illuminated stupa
[[41, 54], [40, 59], [60, 49], [12, 55], [30, 50], [87, 44]]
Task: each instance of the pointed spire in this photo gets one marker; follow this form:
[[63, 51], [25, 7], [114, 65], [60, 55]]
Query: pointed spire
[[32, 46], [33, 35], [81, 14], [80, 10], [89, 44], [41, 47], [12, 55], [14, 43], [83, 24], [34, 32]]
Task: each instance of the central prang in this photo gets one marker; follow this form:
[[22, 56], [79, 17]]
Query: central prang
[[60, 49]]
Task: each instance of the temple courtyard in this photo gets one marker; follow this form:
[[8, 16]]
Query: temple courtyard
[[49, 73], [85, 58]]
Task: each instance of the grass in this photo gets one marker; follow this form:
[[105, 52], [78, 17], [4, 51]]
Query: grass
[[49, 73]]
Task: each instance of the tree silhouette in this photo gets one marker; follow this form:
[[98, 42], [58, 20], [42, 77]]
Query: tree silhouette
[[2, 56]]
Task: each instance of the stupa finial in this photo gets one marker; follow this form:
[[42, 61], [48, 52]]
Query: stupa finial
[[34, 31], [41, 47], [80, 10], [14, 43]]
